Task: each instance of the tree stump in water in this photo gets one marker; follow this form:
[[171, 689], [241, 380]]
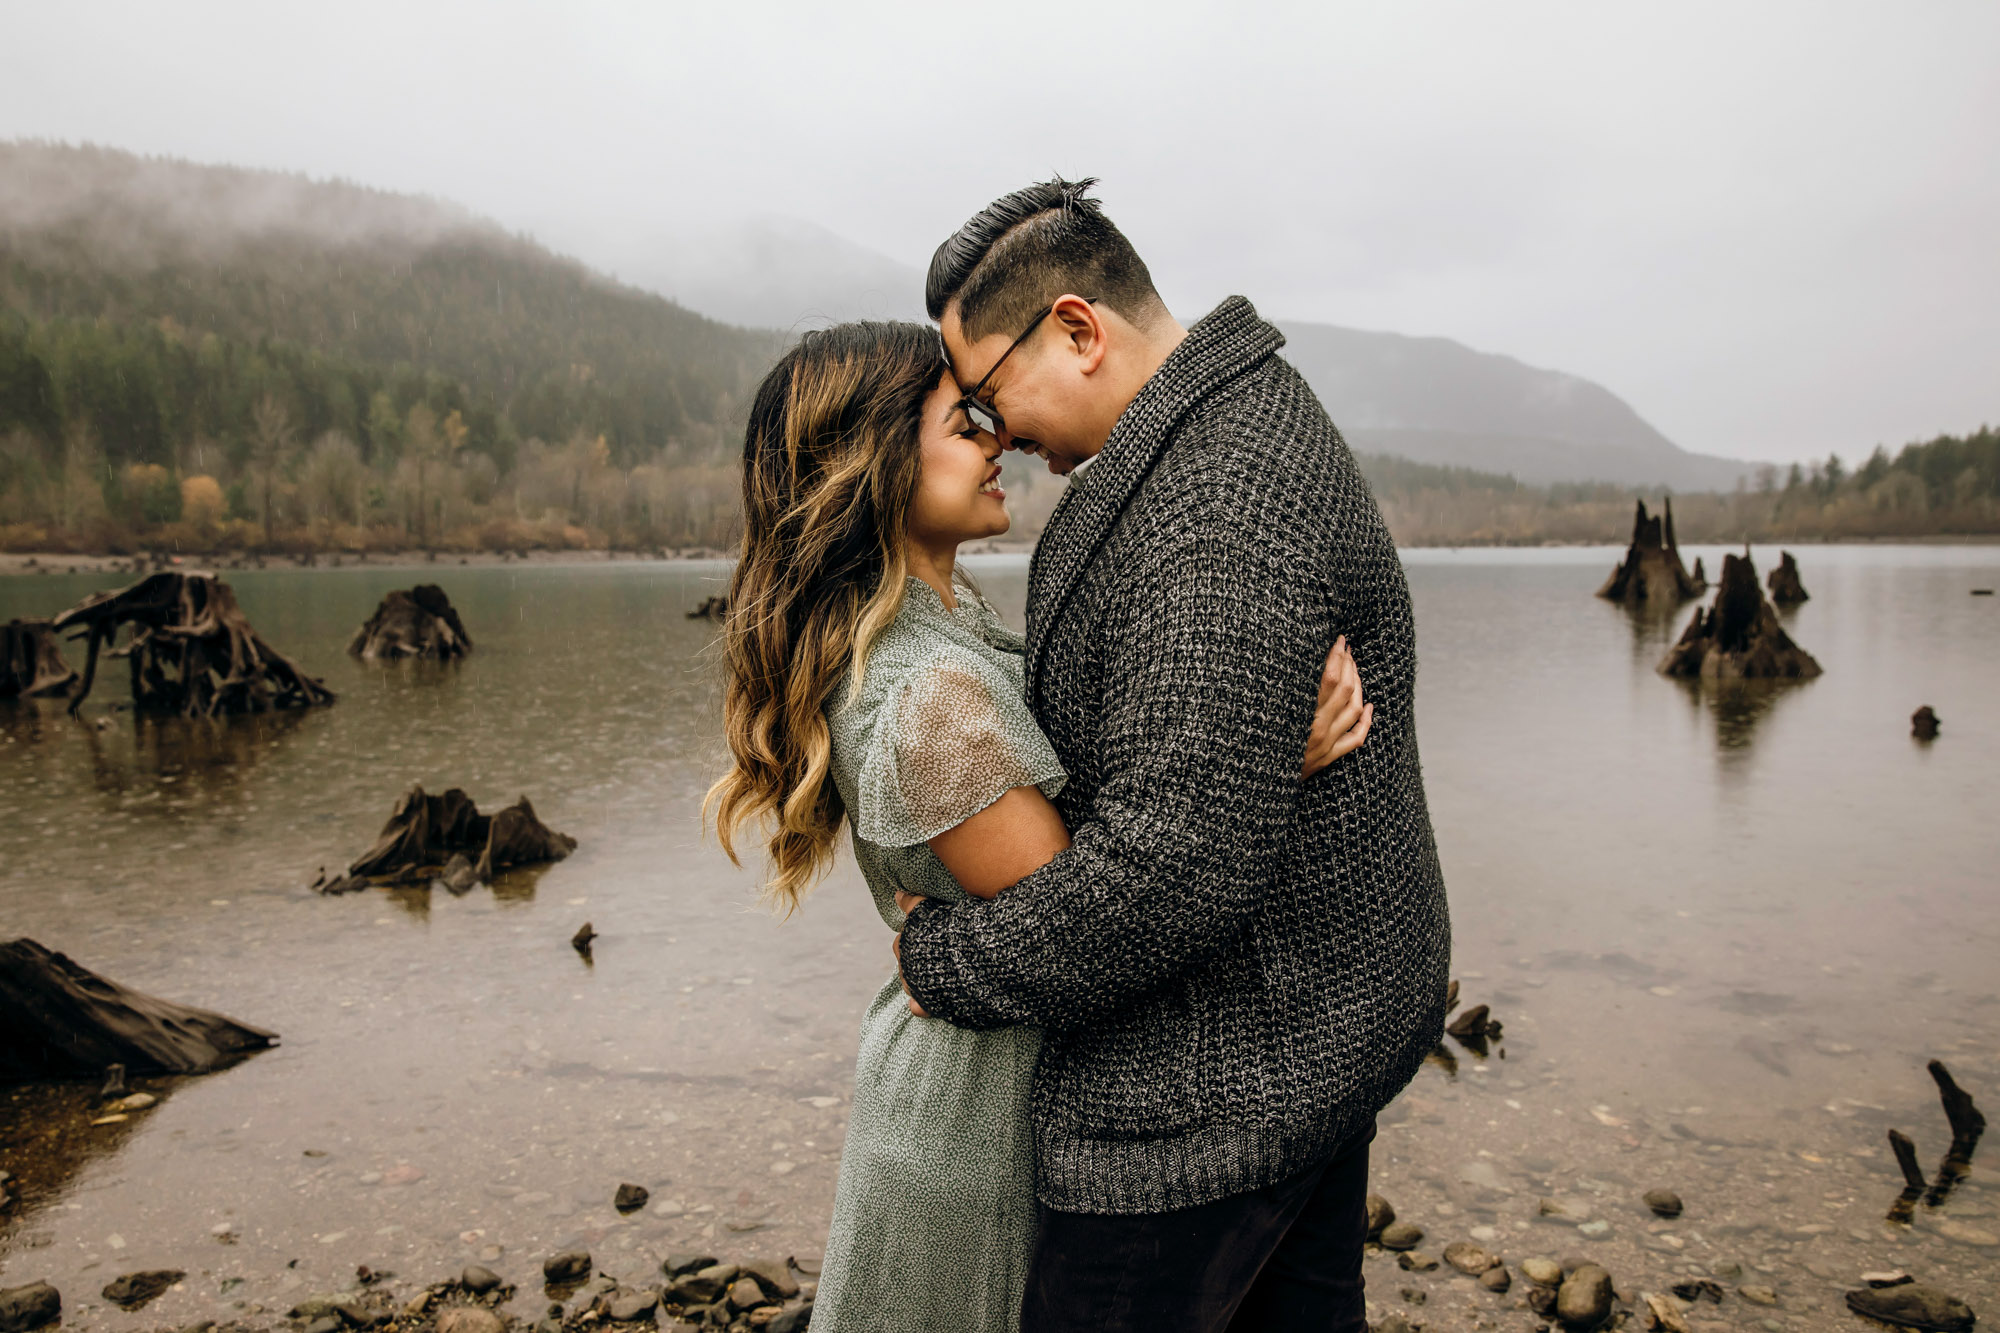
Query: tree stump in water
[[419, 623], [61, 1020], [1739, 638], [1651, 569], [1786, 590], [425, 832], [31, 661], [192, 650]]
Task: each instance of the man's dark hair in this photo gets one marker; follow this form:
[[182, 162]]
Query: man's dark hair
[[1023, 250]]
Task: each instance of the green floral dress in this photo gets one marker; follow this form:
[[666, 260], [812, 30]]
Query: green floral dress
[[934, 1215]]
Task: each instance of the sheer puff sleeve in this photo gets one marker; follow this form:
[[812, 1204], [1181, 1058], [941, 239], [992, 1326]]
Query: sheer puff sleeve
[[952, 737]]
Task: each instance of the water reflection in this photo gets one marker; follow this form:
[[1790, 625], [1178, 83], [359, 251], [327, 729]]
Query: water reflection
[[50, 1132]]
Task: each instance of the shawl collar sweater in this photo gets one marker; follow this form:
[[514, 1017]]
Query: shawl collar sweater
[[1234, 969]]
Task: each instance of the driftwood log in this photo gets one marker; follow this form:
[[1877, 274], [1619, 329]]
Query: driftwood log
[[418, 623], [31, 661], [61, 1020], [1786, 590], [1739, 638], [192, 650], [1651, 569], [426, 834]]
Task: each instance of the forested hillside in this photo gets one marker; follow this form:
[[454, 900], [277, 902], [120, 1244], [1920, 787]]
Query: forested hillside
[[340, 358], [205, 357], [1949, 486]]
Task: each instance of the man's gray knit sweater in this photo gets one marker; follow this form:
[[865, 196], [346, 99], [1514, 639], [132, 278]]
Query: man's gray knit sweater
[[1235, 970]]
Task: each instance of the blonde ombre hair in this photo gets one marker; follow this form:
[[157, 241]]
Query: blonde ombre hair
[[830, 463]]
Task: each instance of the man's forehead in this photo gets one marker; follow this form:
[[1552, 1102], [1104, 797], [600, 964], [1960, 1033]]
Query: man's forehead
[[966, 362]]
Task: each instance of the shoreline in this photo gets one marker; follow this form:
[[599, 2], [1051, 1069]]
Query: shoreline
[[66, 562]]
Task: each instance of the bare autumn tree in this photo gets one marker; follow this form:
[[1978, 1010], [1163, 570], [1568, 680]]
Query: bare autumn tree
[[272, 439]]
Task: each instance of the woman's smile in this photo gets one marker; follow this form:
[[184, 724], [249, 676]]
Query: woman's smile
[[991, 486]]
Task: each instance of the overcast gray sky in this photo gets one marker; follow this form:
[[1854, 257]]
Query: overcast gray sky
[[1774, 228]]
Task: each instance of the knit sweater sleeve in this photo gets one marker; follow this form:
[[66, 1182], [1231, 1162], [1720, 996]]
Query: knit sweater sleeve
[[1210, 688]]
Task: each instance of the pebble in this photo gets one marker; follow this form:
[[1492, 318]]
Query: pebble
[[1758, 1295], [685, 1261], [469, 1319], [1597, 1227], [138, 1101], [1468, 1258], [1380, 1214], [1402, 1236], [630, 1198], [1886, 1277], [1412, 1261], [630, 1305], [1496, 1278], [1664, 1313], [1414, 1295], [1664, 1203], [774, 1276], [572, 1266], [1584, 1299], [478, 1279], [745, 1294], [1542, 1272]]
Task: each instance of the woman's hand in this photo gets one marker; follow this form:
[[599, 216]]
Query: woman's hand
[[1341, 719], [896, 947]]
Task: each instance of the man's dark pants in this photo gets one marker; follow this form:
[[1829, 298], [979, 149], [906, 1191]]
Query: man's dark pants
[[1282, 1259]]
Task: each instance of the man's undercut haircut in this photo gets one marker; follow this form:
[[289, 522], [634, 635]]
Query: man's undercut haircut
[[1022, 251]]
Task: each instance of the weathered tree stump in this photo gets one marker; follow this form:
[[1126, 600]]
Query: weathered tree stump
[[1739, 638], [418, 623], [61, 1020], [1924, 723], [192, 650], [711, 608], [425, 832], [1651, 569], [1967, 1125], [1786, 590], [31, 661]]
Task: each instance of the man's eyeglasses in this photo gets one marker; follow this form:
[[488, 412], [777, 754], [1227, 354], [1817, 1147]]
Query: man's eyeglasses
[[984, 415]]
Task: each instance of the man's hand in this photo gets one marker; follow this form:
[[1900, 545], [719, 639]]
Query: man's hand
[[1341, 718], [896, 946]]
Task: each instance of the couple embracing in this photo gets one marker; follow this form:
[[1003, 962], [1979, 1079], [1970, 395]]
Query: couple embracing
[[1169, 920]]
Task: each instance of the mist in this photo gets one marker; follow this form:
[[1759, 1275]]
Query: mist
[[1769, 230]]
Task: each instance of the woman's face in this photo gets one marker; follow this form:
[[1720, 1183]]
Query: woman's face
[[958, 487]]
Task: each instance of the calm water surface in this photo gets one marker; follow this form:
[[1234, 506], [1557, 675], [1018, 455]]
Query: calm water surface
[[1724, 930]]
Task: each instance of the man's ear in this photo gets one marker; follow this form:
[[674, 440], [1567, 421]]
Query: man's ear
[[1085, 328]]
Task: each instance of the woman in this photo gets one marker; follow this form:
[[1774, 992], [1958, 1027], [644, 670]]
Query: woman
[[868, 680]]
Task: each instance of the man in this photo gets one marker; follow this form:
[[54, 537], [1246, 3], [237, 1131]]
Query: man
[[1234, 969]]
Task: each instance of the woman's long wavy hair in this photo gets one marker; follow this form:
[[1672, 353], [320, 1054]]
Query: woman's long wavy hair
[[830, 464]]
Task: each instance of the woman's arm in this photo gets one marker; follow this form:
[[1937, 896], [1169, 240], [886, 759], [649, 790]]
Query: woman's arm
[[1002, 844]]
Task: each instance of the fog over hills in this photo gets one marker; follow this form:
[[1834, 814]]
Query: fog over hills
[[1431, 400], [1437, 401], [94, 233]]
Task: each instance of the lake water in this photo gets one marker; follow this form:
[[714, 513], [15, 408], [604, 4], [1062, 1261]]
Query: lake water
[[1724, 930]]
